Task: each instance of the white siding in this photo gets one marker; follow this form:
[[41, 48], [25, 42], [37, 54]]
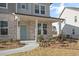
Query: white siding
[[69, 23]]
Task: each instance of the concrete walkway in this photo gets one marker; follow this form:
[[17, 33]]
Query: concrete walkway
[[28, 47]]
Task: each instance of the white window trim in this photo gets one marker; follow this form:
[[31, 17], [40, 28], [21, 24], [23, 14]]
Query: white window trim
[[43, 10], [5, 7], [42, 29], [40, 9], [16, 7]]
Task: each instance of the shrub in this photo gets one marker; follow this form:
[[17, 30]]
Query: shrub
[[40, 38]]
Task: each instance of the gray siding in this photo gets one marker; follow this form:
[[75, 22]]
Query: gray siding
[[27, 11], [11, 8], [47, 9], [12, 26], [31, 9]]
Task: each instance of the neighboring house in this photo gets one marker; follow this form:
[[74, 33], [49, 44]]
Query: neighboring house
[[70, 26], [25, 21]]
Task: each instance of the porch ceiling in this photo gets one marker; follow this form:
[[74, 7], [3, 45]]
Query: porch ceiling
[[33, 18]]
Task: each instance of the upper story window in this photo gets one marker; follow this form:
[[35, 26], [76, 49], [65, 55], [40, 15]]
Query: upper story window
[[75, 20], [3, 27], [23, 6], [37, 9], [3, 5], [42, 9]]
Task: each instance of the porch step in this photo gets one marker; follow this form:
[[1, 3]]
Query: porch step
[[28, 42]]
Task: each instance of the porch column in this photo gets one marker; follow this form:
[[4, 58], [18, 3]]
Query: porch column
[[41, 28], [17, 19], [18, 27], [36, 30]]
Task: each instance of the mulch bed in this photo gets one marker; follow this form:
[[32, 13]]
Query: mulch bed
[[10, 45], [59, 45]]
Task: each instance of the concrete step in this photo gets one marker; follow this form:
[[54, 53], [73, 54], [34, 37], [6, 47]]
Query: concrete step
[[28, 42]]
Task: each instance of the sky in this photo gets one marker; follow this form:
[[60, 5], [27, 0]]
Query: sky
[[56, 8]]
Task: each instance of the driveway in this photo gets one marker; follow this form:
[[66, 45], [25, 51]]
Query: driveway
[[28, 47]]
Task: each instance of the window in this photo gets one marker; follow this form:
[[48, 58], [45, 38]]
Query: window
[[75, 19], [44, 28], [3, 5], [3, 28], [4, 31], [42, 9], [37, 9], [39, 29], [23, 6], [73, 31]]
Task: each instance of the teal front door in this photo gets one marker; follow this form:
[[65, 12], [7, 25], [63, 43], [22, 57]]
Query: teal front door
[[23, 32]]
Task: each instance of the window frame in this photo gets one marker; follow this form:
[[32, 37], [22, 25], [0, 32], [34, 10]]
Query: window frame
[[4, 28], [24, 5], [5, 7], [75, 18], [42, 10], [73, 31], [37, 9], [42, 28]]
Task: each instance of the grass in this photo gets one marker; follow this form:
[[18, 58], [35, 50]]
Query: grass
[[49, 52]]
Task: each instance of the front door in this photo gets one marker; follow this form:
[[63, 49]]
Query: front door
[[23, 32]]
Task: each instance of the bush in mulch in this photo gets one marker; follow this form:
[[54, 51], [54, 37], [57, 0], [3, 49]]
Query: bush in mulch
[[58, 42]]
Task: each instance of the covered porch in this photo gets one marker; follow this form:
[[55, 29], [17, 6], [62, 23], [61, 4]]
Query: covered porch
[[27, 28]]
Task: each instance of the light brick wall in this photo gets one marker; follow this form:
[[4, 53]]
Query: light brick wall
[[30, 22], [12, 27], [12, 32], [31, 29]]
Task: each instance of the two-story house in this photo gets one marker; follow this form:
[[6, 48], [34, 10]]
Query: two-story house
[[70, 26], [25, 21]]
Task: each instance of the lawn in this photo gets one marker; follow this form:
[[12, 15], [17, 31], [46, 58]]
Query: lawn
[[49, 52]]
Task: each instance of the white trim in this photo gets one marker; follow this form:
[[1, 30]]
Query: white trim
[[36, 29], [5, 7], [36, 8], [40, 10], [16, 7]]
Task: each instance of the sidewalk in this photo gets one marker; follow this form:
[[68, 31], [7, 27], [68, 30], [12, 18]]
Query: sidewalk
[[27, 47]]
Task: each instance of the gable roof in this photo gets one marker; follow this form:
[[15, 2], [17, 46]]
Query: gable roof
[[72, 8]]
